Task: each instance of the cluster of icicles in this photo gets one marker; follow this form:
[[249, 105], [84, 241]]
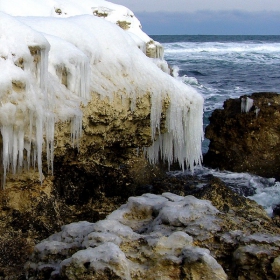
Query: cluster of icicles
[[100, 58]]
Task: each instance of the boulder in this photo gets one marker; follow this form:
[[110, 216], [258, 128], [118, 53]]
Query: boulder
[[246, 141], [164, 236]]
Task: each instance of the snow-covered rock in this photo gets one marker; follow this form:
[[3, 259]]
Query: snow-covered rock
[[143, 239], [117, 14], [63, 63]]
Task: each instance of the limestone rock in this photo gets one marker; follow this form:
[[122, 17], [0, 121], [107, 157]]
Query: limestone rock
[[246, 142], [147, 238], [261, 256], [166, 236], [199, 264]]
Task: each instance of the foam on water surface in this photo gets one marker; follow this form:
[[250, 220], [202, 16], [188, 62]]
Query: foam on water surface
[[265, 191]]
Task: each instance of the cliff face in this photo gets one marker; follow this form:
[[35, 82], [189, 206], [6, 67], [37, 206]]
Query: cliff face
[[246, 141]]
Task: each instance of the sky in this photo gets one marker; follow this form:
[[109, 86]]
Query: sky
[[207, 17]]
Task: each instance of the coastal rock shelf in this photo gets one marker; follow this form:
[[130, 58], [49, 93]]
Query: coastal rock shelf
[[246, 141], [163, 237]]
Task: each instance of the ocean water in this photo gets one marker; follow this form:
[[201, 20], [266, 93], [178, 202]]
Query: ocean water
[[222, 67]]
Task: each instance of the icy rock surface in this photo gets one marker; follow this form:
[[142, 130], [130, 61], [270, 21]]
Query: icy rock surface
[[246, 104], [50, 75], [117, 14], [143, 239]]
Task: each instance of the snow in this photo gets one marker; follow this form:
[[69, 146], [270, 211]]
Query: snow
[[57, 53], [66, 8]]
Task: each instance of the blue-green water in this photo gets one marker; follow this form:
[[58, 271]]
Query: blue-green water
[[223, 67]]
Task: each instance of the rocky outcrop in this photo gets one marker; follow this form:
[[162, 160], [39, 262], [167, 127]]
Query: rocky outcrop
[[141, 240], [246, 141], [31, 212], [167, 236], [80, 107]]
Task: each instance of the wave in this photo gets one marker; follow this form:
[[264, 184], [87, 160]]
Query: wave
[[265, 191], [215, 47]]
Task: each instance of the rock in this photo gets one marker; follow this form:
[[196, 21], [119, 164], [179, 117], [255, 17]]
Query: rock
[[168, 236], [276, 210], [276, 266], [199, 264], [246, 142], [147, 238], [250, 256]]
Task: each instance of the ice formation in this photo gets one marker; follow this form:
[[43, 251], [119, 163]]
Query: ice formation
[[47, 72], [246, 104]]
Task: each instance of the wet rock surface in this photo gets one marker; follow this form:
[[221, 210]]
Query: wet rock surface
[[246, 142]]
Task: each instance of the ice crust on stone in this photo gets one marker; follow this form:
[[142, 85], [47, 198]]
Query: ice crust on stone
[[107, 254], [48, 72], [246, 104], [143, 232]]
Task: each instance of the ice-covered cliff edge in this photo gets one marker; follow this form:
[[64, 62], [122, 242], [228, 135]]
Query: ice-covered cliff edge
[[54, 64], [114, 13]]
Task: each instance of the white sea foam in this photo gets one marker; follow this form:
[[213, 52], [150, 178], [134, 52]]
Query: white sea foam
[[265, 191], [230, 52], [268, 196], [215, 47]]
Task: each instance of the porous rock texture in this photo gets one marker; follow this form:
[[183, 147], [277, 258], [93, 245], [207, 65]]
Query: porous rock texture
[[166, 237], [246, 142]]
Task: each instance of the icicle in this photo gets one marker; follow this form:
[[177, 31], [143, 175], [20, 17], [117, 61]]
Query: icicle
[[246, 104], [44, 70], [156, 109], [39, 143], [182, 142], [14, 152], [6, 132], [49, 128], [27, 145], [20, 148], [76, 129], [85, 80]]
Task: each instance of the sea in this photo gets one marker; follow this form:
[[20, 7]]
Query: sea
[[222, 67]]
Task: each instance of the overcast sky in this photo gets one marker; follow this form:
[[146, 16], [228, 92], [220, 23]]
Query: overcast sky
[[224, 17]]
